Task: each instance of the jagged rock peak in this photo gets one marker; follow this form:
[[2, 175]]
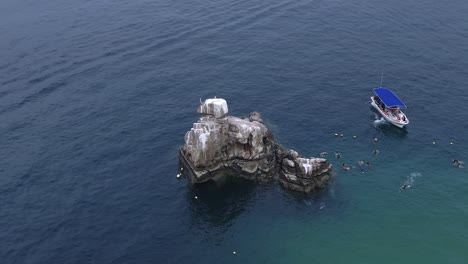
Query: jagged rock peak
[[216, 107]]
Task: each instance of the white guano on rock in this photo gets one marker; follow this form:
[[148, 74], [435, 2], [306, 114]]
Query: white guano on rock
[[216, 107]]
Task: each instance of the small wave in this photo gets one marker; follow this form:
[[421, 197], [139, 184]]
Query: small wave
[[33, 97]]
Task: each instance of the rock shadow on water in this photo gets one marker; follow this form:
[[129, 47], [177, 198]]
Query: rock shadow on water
[[220, 202], [327, 199]]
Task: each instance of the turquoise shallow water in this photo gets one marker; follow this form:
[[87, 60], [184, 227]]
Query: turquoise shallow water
[[96, 96]]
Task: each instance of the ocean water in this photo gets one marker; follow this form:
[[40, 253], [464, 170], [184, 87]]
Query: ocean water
[[96, 96]]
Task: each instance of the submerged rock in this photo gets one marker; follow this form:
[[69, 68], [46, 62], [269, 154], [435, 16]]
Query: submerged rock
[[227, 146]]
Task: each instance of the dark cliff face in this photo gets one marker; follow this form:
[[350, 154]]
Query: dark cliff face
[[226, 146]]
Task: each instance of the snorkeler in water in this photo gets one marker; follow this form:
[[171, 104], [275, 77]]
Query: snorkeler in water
[[457, 163], [337, 155], [405, 186], [345, 167], [361, 165]]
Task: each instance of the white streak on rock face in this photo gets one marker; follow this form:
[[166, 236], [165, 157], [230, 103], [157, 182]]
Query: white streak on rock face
[[310, 165], [212, 139], [204, 141], [243, 132], [307, 168], [216, 107], [203, 138]]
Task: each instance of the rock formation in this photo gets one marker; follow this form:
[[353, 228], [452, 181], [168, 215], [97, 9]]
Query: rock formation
[[226, 146], [301, 174]]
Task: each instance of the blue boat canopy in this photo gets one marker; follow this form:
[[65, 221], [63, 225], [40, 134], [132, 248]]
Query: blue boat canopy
[[389, 98]]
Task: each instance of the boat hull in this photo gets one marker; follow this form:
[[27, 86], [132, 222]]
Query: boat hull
[[399, 120]]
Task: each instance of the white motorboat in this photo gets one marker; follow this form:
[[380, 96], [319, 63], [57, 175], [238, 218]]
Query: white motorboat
[[389, 106]]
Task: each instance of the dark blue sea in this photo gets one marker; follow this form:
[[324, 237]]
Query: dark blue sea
[[96, 96]]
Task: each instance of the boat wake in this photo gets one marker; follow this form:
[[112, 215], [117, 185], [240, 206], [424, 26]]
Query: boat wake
[[385, 127], [379, 121]]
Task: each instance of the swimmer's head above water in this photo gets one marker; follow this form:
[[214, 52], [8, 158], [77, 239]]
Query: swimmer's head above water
[[405, 186]]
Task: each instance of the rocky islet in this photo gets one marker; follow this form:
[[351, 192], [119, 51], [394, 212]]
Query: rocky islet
[[226, 146]]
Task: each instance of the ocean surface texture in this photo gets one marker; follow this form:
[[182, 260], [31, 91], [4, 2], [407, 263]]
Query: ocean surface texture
[[96, 96]]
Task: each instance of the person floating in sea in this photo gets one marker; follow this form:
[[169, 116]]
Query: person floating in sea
[[368, 165], [345, 167], [337, 155], [361, 166], [457, 163], [405, 186], [375, 152]]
